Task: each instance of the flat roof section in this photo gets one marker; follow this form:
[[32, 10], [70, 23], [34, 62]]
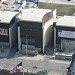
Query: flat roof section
[[66, 21], [34, 14], [6, 16]]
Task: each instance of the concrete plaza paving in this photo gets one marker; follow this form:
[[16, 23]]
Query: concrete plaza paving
[[54, 67], [42, 62]]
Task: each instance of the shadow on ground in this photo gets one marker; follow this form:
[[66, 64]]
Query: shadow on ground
[[49, 49]]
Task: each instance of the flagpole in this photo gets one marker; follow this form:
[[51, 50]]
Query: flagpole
[[26, 45], [23, 72]]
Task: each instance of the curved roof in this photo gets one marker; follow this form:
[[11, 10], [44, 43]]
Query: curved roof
[[67, 21], [6, 16], [34, 14]]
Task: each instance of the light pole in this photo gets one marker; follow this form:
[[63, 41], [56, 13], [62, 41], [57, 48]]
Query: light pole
[[26, 45]]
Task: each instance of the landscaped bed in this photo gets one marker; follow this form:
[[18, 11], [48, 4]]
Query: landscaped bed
[[62, 9]]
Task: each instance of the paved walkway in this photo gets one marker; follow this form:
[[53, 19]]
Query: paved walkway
[[18, 55], [52, 66]]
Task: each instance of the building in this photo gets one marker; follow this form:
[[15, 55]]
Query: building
[[8, 29], [35, 28], [64, 34]]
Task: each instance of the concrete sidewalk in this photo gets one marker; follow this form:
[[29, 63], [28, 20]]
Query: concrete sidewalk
[[54, 67], [18, 55]]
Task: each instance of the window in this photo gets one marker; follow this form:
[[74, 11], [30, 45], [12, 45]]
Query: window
[[3, 31], [66, 34]]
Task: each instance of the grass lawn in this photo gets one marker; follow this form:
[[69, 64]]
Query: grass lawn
[[62, 9]]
